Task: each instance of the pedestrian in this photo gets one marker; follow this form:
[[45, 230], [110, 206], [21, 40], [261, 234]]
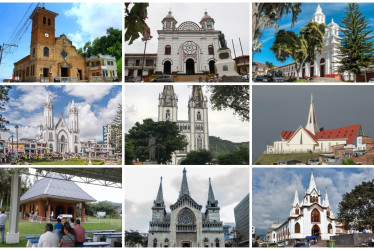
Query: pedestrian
[[51, 220], [80, 233], [72, 222], [68, 238], [2, 225], [48, 239]]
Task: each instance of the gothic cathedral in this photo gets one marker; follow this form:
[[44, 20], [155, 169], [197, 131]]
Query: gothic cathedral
[[185, 225], [195, 128]]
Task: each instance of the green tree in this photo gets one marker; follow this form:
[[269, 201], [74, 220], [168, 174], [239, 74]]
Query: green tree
[[200, 157], [168, 139], [129, 155], [235, 97], [133, 238], [117, 135], [357, 47], [119, 68], [265, 15], [102, 206], [301, 48], [239, 157], [4, 98], [356, 209], [348, 162], [135, 21]]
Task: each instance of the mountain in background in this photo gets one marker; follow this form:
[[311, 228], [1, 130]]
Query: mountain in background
[[221, 146], [119, 205]]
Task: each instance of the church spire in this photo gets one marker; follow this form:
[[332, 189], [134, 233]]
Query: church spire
[[326, 200], [311, 124], [159, 202], [184, 187], [168, 97], [197, 96], [296, 199], [211, 199], [312, 183]]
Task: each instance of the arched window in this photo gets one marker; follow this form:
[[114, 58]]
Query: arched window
[[199, 143], [329, 229], [198, 117], [210, 50], [167, 114], [217, 242], [297, 228], [167, 50], [44, 20], [206, 242], [297, 211], [328, 213], [46, 51], [76, 139], [33, 52], [315, 216], [166, 242], [154, 242], [49, 21]]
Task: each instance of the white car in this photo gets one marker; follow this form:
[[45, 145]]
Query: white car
[[371, 80], [65, 216]]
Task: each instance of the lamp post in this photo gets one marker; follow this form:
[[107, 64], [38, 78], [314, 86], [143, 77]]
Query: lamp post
[[16, 127], [145, 40], [12, 144]]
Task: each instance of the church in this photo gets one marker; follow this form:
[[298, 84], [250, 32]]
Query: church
[[61, 137], [325, 64], [195, 128], [185, 225], [49, 57], [310, 217], [311, 138]]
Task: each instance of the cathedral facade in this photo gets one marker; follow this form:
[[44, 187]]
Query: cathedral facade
[[185, 225], [49, 57], [61, 137], [195, 128], [310, 217]]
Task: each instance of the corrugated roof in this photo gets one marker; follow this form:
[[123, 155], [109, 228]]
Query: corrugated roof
[[55, 186]]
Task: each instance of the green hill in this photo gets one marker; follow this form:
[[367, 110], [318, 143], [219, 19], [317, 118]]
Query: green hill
[[221, 146], [268, 159]]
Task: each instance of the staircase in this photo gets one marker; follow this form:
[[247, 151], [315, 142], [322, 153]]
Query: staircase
[[320, 243], [324, 79], [190, 78]]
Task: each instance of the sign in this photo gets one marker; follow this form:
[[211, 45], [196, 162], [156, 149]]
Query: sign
[[21, 147], [101, 214]]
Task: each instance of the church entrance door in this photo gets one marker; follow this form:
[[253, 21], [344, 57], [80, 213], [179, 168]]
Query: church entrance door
[[167, 67], [316, 231], [59, 210], [322, 67], [45, 72], [190, 67], [80, 75], [211, 67], [64, 72], [186, 244]]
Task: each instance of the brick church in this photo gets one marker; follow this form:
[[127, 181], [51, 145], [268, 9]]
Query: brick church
[[50, 57]]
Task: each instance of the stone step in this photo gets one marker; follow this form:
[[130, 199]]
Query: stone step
[[190, 78]]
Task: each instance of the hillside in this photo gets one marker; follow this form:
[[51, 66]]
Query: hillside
[[221, 146], [268, 159]]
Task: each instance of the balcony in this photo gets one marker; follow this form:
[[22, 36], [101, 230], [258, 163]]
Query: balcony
[[186, 228]]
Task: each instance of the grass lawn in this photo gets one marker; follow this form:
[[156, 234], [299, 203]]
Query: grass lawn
[[32, 228], [66, 162], [268, 159]]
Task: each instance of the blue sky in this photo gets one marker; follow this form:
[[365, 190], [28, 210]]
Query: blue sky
[[96, 105], [80, 22], [331, 10], [273, 189]]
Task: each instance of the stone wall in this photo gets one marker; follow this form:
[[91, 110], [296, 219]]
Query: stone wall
[[352, 239]]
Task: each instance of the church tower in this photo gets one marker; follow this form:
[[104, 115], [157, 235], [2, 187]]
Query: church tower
[[198, 118], [48, 113], [169, 22], [158, 209], [311, 124], [207, 23], [168, 104], [212, 209], [43, 26], [319, 17], [312, 195], [74, 128]]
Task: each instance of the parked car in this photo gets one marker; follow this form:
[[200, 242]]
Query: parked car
[[371, 80], [65, 216], [273, 245], [56, 79], [259, 78], [164, 78], [300, 244], [280, 244], [133, 79]]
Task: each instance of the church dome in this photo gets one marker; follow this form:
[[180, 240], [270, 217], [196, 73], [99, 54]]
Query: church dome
[[169, 15], [206, 16]]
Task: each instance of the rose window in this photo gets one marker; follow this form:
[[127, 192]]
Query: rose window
[[189, 48], [186, 217]]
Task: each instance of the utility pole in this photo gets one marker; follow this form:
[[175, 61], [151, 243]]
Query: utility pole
[[2, 48]]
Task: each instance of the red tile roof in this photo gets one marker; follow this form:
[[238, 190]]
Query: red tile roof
[[311, 135], [286, 135], [349, 133]]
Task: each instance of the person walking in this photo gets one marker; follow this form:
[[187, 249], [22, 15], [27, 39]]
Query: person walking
[[3, 218], [48, 239]]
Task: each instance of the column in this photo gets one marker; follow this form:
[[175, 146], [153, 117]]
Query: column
[[12, 237], [83, 211]]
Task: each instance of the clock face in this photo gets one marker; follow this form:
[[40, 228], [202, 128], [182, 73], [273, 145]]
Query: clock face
[[157, 216], [46, 35]]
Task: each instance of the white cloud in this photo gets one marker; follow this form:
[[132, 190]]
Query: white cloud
[[95, 18], [32, 97], [89, 93], [108, 113], [76, 39]]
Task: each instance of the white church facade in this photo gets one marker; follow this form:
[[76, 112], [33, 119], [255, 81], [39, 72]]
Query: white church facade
[[325, 64], [195, 128], [61, 137], [312, 216], [185, 225], [311, 138]]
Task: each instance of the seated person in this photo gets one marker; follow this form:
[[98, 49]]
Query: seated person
[[80, 233], [68, 238], [58, 229], [48, 239]]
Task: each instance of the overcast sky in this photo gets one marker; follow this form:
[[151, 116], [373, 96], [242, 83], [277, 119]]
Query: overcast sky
[[230, 18], [97, 106], [230, 186], [277, 108], [274, 189], [142, 103]]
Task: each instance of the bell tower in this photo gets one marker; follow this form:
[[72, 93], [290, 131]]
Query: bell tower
[[43, 26]]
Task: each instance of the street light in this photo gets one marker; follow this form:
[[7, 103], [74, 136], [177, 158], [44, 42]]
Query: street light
[[12, 144], [16, 127], [145, 39]]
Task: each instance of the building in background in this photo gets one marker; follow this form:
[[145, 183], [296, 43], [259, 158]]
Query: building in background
[[102, 68], [242, 64], [241, 213], [134, 64], [227, 230]]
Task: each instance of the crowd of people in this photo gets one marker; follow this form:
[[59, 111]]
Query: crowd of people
[[65, 235]]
